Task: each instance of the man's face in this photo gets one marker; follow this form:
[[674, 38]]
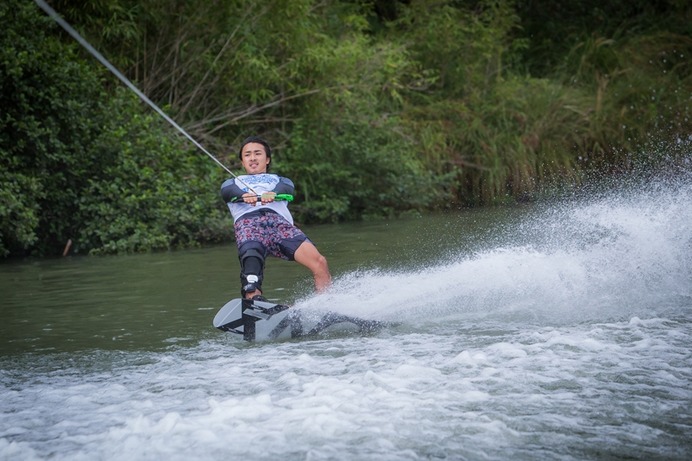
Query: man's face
[[254, 158]]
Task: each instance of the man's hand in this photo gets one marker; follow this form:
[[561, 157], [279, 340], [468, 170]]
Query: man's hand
[[250, 198], [268, 197]]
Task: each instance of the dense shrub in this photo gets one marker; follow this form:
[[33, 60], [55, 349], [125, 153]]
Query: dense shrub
[[152, 191], [50, 112]]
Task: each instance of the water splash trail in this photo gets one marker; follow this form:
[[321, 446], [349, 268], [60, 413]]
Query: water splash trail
[[614, 256]]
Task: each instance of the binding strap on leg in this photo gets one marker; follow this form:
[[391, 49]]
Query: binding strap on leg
[[251, 255]]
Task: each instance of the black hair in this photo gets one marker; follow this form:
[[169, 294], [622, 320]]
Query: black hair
[[258, 140]]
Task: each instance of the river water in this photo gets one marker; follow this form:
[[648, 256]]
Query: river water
[[559, 331]]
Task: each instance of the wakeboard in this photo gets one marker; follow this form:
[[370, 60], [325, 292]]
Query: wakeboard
[[258, 320]]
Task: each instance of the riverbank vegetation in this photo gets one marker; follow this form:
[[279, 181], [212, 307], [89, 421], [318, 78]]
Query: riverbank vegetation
[[374, 108]]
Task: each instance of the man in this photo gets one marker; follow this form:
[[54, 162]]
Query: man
[[263, 225]]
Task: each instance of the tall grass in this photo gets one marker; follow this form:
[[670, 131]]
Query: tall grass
[[518, 136]]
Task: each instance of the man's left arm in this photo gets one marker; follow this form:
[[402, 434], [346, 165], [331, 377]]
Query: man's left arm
[[285, 186]]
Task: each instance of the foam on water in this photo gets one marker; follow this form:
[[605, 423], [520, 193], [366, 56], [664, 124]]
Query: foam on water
[[618, 389], [568, 339]]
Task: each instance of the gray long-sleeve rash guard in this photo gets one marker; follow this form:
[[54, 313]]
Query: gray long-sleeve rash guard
[[233, 189]]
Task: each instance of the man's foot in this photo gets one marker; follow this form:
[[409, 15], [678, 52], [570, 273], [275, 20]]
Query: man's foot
[[254, 293], [250, 290], [259, 297]]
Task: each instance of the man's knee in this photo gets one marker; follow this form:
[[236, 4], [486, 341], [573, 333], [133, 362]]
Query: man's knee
[[321, 263], [252, 254], [320, 269]]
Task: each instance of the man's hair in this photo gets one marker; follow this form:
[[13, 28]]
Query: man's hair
[[258, 140]]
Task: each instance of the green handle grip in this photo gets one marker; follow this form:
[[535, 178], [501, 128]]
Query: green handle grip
[[280, 197]]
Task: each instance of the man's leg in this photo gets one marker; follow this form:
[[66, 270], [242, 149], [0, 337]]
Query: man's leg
[[308, 255], [251, 255]]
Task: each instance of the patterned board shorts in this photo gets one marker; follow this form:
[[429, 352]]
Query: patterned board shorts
[[278, 236]]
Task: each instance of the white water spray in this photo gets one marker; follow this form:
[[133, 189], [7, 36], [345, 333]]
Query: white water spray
[[619, 255]]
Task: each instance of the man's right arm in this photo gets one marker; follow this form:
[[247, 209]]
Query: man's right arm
[[230, 192]]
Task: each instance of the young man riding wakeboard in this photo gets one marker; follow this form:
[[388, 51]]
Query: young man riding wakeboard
[[263, 225]]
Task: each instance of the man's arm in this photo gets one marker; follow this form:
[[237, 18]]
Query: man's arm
[[285, 186], [230, 192]]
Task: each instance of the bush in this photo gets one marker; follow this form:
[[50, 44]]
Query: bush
[[81, 164], [51, 111], [153, 192]]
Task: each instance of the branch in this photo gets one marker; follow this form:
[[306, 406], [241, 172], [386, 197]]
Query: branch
[[231, 117]]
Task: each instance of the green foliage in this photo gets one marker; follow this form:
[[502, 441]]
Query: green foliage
[[554, 28], [463, 45], [495, 132], [358, 171], [83, 165], [509, 136], [638, 88], [19, 212], [348, 153], [374, 108], [629, 61], [50, 104], [151, 192]]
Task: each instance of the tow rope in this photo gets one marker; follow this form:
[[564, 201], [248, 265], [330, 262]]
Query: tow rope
[[53, 14]]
